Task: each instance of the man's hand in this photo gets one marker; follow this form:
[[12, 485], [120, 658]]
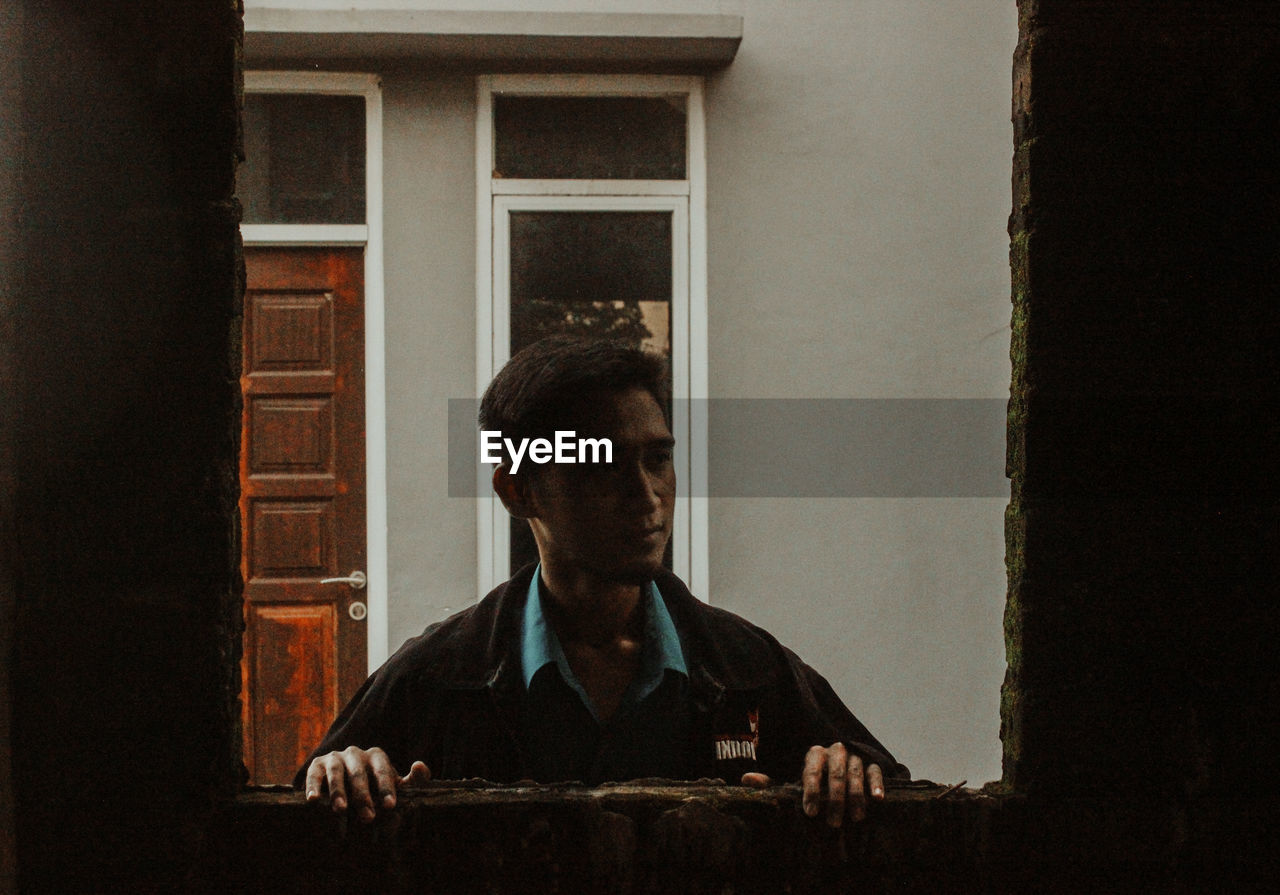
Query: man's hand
[[840, 772], [358, 775]]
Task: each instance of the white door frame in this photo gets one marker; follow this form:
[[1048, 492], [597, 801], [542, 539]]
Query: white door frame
[[369, 235], [686, 199]]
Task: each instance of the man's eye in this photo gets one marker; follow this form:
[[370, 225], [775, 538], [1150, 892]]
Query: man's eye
[[660, 458]]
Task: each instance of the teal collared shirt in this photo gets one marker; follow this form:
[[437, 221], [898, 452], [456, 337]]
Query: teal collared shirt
[[660, 650], [563, 737]]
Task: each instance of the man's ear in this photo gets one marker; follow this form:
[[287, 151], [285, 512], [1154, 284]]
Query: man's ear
[[515, 492]]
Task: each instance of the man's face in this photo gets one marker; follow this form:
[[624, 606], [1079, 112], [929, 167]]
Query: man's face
[[610, 520]]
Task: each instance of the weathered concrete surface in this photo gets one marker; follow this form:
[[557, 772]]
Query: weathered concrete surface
[[629, 838], [1143, 432], [117, 519], [650, 837]]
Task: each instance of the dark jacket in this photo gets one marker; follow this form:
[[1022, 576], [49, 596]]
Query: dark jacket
[[451, 697]]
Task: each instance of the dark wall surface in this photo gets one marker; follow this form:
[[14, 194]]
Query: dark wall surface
[[1146, 256], [1139, 708], [1143, 531], [118, 521], [10, 148]]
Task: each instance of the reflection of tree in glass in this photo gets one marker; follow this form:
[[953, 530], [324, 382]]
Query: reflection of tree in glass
[[542, 317], [588, 273]]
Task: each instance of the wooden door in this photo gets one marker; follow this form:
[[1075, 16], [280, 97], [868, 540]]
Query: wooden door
[[302, 504]]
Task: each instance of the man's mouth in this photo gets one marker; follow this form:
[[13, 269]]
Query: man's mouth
[[650, 532]]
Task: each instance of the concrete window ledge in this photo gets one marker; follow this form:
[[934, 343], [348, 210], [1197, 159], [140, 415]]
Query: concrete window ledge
[[493, 40], [657, 836], [645, 836]]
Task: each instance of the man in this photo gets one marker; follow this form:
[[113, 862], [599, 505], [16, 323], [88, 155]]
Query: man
[[596, 663]]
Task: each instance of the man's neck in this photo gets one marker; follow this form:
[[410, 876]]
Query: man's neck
[[584, 609]]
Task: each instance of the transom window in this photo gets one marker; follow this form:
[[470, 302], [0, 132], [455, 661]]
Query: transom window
[[590, 137], [304, 159]]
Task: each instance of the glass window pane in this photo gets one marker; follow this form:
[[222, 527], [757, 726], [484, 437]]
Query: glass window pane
[[598, 274], [591, 137], [594, 274], [304, 159]]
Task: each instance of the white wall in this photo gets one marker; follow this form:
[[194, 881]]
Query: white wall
[[430, 238], [859, 182], [858, 187]]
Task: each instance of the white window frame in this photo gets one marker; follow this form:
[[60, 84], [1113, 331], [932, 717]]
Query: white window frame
[[368, 235], [496, 198]]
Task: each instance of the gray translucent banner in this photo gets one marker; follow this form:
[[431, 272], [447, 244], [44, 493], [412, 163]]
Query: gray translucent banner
[[814, 447]]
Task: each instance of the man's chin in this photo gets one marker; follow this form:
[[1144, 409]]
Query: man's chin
[[624, 561], [638, 571]]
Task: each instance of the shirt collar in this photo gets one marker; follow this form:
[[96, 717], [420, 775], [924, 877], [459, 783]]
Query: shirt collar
[[539, 645]]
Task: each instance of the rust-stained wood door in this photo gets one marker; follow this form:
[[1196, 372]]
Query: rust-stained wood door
[[302, 504]]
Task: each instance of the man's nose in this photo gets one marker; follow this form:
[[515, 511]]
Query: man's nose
[[640, 487]]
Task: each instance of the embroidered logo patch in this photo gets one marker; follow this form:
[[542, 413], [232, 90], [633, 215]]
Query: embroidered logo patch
[[740, 745]]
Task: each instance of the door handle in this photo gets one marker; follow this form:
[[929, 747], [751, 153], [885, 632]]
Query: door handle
[[356, 579]]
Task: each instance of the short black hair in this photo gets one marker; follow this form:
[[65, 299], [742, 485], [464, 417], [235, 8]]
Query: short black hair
[[541, 387]]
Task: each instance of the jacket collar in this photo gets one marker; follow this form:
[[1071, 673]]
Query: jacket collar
[[715, 642], [715, 647], [483, 649]]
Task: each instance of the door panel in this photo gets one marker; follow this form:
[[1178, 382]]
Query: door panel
[[302, 505], [294, 684]]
